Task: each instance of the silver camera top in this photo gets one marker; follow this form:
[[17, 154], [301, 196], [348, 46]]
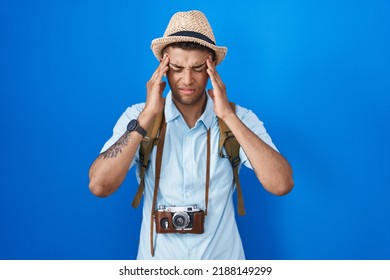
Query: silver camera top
[[173, 208]]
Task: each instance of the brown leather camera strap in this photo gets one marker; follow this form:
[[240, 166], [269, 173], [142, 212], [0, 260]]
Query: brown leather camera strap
[[159, 154], [207, 172]]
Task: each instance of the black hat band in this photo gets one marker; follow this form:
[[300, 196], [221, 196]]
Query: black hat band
[[193, 35]]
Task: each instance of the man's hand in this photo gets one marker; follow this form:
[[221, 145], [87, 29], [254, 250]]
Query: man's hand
[[218, 94], [155, 87]]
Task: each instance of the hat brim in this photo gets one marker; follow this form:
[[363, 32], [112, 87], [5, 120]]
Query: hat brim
[[160, 43]]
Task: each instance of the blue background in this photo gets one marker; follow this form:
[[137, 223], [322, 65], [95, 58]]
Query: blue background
[[316, 72]]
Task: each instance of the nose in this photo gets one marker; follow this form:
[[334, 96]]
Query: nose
[[187, 77]]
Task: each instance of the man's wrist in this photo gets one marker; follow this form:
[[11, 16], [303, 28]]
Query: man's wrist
[[134, 125], [145, 119], [228, 117]]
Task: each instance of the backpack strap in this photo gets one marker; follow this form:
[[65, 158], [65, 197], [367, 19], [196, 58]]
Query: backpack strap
[[145, 149], [232, 148], [160, 148]]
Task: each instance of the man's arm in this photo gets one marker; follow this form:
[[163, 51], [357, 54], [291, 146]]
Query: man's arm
[[109, 170], [271, 168]]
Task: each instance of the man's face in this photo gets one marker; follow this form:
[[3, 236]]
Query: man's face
[[187, 75]]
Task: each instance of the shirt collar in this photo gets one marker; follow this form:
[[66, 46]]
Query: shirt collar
[[171, 111]]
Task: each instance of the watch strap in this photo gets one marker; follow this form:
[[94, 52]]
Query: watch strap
[[133, 125], [140, 130]]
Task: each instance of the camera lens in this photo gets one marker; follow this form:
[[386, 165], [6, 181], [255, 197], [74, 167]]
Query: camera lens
[[180, 220]]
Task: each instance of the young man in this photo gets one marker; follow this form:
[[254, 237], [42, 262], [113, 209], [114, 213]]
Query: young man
[[192, 171]]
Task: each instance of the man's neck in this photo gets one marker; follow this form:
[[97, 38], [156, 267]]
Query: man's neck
[[191, 113]]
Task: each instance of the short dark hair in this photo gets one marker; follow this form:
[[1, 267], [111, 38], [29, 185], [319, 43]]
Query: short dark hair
[[190, 46]]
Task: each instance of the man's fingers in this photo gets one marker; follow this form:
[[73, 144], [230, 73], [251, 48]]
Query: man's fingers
[[161, 69], [216, 80], [156, 85], [210, 71], [162, 87]]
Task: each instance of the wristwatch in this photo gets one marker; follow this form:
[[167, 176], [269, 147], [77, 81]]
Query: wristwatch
[[133, 125]]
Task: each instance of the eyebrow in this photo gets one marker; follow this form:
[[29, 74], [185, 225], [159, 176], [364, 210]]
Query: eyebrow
[[203, 63], [181, 67]]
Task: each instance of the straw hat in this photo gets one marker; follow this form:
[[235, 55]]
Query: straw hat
[[191, 26]]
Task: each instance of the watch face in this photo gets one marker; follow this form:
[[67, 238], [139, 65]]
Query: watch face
[[132, 125]]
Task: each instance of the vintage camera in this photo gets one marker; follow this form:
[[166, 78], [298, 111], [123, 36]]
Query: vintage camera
[[182, 219]]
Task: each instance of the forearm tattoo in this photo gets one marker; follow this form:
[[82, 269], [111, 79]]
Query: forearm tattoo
[[117, 147]]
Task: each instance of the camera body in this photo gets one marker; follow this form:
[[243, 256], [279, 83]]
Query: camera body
[[181, 219]]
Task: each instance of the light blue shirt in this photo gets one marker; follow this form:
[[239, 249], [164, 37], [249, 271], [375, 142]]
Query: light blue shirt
[[182, 183]]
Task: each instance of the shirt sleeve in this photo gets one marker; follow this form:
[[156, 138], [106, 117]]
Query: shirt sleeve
[[121, 126], [257, 126]]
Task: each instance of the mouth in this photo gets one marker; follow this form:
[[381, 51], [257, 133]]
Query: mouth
[[186, 90]]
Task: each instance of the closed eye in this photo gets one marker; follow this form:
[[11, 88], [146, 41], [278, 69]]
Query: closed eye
[[200, 68], [176, 69]]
